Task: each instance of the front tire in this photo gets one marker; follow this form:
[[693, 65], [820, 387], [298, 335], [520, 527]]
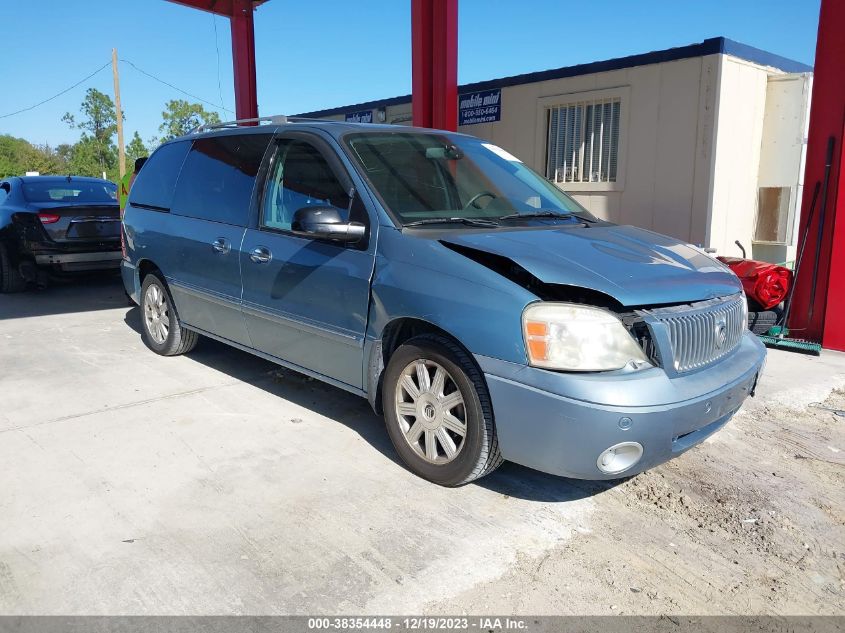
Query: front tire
[[438, 412], [160, 328]]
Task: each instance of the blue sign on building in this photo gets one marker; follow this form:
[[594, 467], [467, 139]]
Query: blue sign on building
[[484, 106], [364, 116]]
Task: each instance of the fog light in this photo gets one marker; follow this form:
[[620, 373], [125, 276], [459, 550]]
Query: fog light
[[619, 457]]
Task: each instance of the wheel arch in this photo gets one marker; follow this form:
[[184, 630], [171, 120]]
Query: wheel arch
[[395, 333], [144, 268]]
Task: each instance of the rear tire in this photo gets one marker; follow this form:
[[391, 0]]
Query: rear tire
[[11, 279], [160, 328], [448, 439]]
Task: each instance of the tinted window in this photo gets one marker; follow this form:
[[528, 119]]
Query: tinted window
[[301, 177], [69, 190], [218, 176], [4, 192], [155, 182], [427, 176]]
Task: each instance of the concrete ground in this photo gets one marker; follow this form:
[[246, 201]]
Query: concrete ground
[[216, 483]]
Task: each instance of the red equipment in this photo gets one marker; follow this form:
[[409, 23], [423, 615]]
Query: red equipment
[[767, 284]]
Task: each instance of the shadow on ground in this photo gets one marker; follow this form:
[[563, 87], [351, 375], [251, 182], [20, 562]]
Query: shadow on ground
[[353, 411], [101, 291]]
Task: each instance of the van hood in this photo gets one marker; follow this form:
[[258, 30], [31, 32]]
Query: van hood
[[634, 266]]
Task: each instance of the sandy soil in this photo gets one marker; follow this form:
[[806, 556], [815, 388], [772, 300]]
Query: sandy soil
[[751, 522]]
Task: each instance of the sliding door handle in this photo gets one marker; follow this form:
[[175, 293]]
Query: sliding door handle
[[261, 255], [221, 245]]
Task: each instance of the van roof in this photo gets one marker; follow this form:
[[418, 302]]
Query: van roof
[[333, 127]]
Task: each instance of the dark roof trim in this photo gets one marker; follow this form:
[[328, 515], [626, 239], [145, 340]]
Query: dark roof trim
[[712, 46]]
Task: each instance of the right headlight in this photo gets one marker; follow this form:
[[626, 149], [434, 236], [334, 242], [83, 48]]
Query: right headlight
[[572, 337]]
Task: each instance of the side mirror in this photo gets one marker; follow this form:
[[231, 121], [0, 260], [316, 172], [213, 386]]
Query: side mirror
[[323, 222]]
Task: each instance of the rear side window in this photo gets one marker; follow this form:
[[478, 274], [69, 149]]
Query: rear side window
[[154, 185], [218, 177]]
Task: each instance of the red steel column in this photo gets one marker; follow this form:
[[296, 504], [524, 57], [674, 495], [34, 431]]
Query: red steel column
[[421, 12], [434, 58], [833, 334], [243, 59], [444, 90], [827, 119]]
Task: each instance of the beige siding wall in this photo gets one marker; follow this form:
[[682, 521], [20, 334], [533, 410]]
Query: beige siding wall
[[668, 124], [783, 152], [739, 133], [691, 133]]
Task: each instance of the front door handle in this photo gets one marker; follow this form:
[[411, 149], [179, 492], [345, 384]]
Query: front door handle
[[221, 245], [261, 255]]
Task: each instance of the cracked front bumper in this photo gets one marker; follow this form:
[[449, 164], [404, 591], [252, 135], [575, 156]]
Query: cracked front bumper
[[560, 423]]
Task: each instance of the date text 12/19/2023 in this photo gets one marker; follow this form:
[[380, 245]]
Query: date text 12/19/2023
[[421, 623]]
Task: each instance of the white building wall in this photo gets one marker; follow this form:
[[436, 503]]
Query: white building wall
[[783, 153], [691, 142], [667, 129], [739, 133]]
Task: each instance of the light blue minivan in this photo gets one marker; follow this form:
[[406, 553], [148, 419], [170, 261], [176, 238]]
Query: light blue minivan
[[482, 311]]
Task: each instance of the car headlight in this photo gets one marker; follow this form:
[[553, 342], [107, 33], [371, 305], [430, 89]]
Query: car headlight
[[574, 337]]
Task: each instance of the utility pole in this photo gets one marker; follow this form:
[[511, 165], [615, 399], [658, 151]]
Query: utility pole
[[121, 155]]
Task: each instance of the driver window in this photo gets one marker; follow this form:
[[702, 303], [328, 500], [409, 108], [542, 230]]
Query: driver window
[[301, 177]]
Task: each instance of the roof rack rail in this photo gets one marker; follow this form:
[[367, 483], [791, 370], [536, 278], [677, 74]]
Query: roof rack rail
[[276, 119]]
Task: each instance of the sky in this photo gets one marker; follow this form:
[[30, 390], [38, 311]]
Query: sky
[[315, 55]]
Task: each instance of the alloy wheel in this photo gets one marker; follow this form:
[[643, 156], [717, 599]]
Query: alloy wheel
[[156, 317], [431, 411]]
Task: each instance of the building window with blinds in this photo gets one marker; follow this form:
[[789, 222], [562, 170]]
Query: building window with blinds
[[583, 142]]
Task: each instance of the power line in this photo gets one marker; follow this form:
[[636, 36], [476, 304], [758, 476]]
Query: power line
[[170, 85], [217, 48], [143, 72], [55, 96]]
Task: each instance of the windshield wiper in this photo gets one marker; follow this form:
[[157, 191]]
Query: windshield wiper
[[467, 221], [535, 214], [544, 214]]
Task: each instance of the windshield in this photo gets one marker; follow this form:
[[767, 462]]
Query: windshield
[[422, 176], [70, 191]]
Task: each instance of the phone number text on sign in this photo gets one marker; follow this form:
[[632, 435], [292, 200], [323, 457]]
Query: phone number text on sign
[[480, 107]]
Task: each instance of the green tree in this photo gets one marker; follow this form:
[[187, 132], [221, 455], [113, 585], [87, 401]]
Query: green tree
[[45, 160], [95, 152], [18, 156], [86, 159], [64, 151], [12, 156], [134, 150], [180, 117]]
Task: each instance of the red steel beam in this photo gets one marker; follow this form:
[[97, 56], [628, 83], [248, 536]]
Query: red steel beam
[[243, 59], [221, 7], [240, 14], [421, 60], [434, 59], [444, 84], [825, 322]]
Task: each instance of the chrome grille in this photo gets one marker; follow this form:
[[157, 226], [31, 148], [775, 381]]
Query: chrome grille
[[702, 333]]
